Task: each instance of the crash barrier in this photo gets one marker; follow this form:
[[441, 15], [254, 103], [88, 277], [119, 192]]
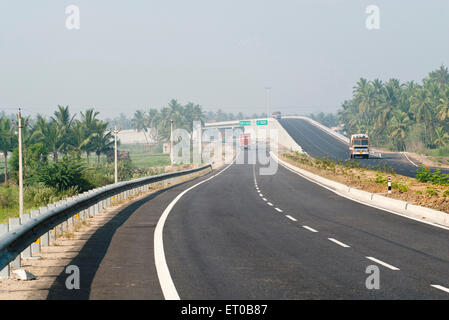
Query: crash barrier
[[23, 237]]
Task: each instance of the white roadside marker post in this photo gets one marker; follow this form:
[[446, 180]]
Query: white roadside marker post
[[389, 184]]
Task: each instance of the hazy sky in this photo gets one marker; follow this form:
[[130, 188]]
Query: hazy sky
[[219, 54]]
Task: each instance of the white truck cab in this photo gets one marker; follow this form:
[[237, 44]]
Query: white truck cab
[[359, 146]]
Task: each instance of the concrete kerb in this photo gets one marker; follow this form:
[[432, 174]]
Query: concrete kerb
[[389, 204]]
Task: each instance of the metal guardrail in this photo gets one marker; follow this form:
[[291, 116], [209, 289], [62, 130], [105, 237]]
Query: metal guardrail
[[19, 237]]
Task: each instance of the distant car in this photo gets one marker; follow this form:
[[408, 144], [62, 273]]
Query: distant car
[[277, 115], [359, 146]]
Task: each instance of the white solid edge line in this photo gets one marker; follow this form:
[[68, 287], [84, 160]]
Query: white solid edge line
[[364, 203], [269, 203], [278, 210], [405, 154], [339, 243], [291, 218], [163, 274], [383, 263], [309, 228], [437, 286]]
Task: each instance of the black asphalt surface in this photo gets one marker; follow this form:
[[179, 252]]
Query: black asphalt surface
[[222, 240], [318, 143]]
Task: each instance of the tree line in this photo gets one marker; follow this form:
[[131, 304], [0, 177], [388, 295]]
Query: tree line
[[182, 115], [400, 116], [62, 133], [65, 134]]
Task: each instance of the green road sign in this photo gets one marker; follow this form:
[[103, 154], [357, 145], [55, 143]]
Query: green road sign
[[262, 122], [245, 123]]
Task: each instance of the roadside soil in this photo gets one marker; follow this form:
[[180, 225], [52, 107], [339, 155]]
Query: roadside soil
[[403, 188]]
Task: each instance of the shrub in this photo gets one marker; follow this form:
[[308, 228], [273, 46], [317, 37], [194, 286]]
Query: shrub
[[434, 177], [64, 175], [8, 197], [399, 186], [431, 191], [445, 193]]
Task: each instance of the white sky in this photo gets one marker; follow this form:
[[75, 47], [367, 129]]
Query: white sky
[[220, 54]]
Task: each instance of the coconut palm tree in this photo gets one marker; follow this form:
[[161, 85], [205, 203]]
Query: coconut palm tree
[[7, 142], [102, 140], [441, 137]]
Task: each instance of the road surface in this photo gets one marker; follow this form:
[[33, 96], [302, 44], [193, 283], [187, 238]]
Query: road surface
[[241, 235]]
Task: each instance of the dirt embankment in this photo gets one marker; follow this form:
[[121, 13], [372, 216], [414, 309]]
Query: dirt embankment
[[403, 188]]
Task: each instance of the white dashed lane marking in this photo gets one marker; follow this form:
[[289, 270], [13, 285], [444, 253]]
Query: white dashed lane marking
[[389, 266], [291, 218], [437, 286], [278, 210], [339, 243], [309, 228]]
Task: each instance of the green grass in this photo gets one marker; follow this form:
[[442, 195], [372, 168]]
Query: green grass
[[440, 152], [143, 156]]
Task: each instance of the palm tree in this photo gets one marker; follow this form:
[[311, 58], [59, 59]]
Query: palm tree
[[6, 141], [400, 124], [89, 123], [64, 122], [441, 137], [140, 122], [49, 133], [102, 140], [81, 139]]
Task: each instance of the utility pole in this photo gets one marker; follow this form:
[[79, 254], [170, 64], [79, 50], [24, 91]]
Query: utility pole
[[115, 154], [171, 141], [268, 100], [19, 131]]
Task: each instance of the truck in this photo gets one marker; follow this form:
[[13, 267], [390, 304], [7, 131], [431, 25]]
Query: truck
[[277, 115], [245, 140], [359, 146]]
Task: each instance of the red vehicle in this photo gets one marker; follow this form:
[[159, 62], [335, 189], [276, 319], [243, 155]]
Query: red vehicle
[[245, 140]]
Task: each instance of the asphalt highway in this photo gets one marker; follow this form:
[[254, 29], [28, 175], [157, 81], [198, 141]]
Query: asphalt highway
[[318, 143], [242, 235]]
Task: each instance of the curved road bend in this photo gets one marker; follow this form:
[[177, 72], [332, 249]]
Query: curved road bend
[[320, 144], [227, 240]]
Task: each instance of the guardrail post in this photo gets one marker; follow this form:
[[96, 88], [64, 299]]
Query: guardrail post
[[52, 232], [36, 245], [5, 272], [27, 252], [14, 223], [45, 238]]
